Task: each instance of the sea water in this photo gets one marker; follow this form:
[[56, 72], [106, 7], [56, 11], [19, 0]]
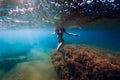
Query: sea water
[[26, 44], [26, 52]]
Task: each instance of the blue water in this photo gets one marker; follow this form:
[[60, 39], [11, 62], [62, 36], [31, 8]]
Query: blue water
[[13, 42], [20, 42], [26, 41], [101, 38]]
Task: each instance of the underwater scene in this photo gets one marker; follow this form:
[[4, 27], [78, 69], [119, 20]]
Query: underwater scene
[[59, 39]]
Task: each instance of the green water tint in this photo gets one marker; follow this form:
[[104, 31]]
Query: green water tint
[[35, 66], [32, 70]]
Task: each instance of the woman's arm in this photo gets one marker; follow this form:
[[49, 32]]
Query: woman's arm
[[72, 34], [54, 33]]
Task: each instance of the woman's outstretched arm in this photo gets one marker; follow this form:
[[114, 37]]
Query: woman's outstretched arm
[[72, 34], [54, 33]]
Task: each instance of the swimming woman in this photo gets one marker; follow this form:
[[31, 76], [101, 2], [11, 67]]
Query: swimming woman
[[59, 31]]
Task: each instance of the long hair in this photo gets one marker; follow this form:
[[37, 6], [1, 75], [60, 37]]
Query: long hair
[[59, 27]]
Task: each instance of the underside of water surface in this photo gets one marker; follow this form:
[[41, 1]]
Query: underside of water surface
[[26, 27]]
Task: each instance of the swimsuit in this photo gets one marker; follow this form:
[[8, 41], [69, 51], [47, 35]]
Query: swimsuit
[[60, 31]]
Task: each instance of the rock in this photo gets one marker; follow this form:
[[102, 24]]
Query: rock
[[86, 63]]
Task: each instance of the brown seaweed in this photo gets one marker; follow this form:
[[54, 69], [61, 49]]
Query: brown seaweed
[[86, 63]]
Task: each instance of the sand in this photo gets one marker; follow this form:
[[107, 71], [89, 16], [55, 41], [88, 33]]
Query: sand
[[36, 65]]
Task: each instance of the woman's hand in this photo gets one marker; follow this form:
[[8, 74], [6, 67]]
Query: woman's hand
[[77, 34], [54, 33]]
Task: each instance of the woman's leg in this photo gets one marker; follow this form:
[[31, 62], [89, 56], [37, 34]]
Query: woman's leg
[[59, 45], [61, 50]]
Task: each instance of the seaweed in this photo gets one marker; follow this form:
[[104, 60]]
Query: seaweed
[[86, 63]]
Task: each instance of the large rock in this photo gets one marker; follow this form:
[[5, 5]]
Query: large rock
[[86, 63]]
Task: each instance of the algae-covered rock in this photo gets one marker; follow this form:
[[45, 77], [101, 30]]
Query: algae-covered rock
[[86, 63]]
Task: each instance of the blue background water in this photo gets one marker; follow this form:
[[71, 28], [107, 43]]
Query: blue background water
[[20, 42], [26, 41]]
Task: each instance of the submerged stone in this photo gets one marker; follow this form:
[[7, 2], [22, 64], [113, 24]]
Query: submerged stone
[[86, 63]]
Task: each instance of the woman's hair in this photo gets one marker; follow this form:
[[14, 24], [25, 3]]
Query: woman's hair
[[58, 29]]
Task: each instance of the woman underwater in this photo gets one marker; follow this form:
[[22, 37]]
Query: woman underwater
[[59, 31]]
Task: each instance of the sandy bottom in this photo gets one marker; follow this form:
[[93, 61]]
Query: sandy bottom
[[33, 70], [35, 66]]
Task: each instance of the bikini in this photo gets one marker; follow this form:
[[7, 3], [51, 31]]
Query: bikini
[[60, 32]]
